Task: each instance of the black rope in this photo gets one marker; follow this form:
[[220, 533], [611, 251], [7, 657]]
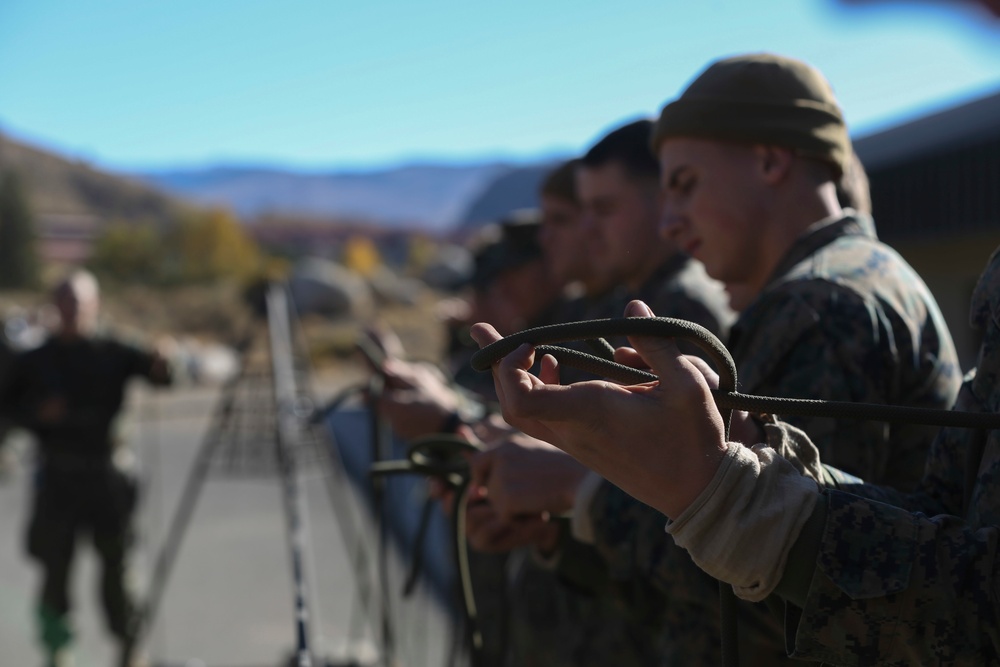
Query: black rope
[[417, 564], [726, 397]]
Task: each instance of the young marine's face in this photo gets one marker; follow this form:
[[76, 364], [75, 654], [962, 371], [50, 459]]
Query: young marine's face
[[564, 241], [526, 291], [622, 214], [712, 205]]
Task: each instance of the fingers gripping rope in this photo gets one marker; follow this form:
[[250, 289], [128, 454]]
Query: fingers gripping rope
[[484, 359]]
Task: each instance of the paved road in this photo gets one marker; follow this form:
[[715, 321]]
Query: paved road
[[229, 601]]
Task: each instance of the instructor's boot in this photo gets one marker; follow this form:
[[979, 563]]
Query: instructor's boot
[[129, 655], [56, 637]]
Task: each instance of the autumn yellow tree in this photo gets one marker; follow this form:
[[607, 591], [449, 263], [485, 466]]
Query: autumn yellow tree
[[128, 252], [361, 256], [211, 245]]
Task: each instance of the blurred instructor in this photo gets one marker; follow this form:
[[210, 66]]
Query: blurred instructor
[[69, 394]]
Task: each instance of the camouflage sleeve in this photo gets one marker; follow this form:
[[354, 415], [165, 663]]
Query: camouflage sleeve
[[577, 564], [896, 588], [629, 537], [941, 491], [662, 588], [656, 579], [622, 528], [827, 343]]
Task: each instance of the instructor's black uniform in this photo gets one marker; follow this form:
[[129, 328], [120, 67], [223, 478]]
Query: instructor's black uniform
[[78, 488]]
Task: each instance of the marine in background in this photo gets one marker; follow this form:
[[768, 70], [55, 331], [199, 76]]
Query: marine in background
[[618, 185]]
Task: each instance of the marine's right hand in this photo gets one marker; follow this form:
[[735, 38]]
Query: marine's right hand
[[662, 442]]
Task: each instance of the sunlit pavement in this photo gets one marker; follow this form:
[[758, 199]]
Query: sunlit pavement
[[229, 602]]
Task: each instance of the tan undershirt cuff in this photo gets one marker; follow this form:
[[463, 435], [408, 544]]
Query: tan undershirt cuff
[[742, 526]]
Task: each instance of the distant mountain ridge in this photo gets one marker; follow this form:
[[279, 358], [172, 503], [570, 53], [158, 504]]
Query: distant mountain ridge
[[432, 196], [514, 189], [438, 197]]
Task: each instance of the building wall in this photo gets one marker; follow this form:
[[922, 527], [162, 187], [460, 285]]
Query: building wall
[[935, 189], [950, 267]]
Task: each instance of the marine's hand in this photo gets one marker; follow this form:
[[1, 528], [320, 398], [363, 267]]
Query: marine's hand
[[417, 399], [496, 522], [386, 340], [742, 427], [492, 428], [660, 441], [487, 532], [523, 476]]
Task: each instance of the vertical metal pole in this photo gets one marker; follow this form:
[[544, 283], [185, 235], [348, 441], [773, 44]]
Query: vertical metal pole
[[379, 445], [287, 440]]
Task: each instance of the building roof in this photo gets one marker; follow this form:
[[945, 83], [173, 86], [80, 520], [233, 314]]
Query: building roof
[[957, 127]]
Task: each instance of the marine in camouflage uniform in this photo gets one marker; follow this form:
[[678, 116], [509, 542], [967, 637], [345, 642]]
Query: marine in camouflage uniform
[[555, 620], [932, 598], [516, 249], [842, 317], [847, 319], [576, 616], [812, 334], [591, 615], [880, 577]]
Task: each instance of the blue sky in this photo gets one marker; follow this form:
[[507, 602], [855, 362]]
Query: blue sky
[[314, 84]]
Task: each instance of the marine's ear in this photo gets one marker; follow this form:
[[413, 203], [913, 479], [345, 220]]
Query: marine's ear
[[773, 163]]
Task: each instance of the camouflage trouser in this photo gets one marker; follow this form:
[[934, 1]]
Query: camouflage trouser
[[71, 502], [489, 583], [576, 621]]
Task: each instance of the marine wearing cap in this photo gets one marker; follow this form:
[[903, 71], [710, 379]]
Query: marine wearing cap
[[763, 99], [507, 245]]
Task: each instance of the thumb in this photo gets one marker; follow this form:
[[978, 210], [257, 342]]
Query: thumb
[[484, 334], [465, 432], [637, 308], [661, 354]]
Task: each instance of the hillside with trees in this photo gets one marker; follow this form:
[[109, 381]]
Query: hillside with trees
[[60, 187]]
